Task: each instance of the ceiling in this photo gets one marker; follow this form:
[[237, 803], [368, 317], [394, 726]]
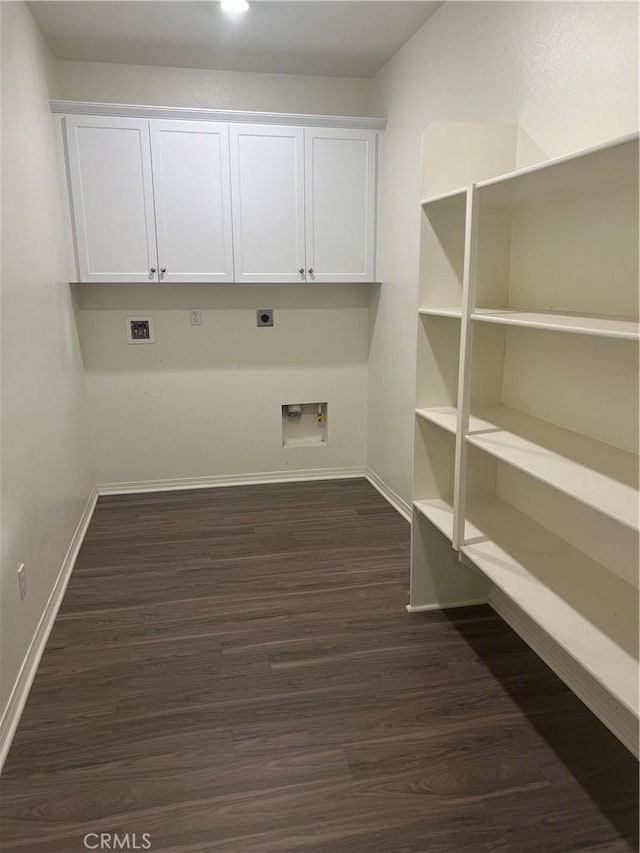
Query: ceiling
[[338, 38]]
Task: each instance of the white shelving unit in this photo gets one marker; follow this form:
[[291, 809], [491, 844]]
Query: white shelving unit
[[525, 461]]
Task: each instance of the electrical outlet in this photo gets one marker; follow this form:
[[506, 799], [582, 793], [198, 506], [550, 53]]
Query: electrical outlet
[[264, 317], [195, 317], [22, 582]]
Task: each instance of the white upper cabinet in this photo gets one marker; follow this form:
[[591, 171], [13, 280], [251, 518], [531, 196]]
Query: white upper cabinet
[[160, 196], [192, 200], [340, 190], [303, 203], [112, 196], [267, 180]]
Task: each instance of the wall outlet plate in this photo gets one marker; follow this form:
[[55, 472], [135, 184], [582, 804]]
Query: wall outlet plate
[[22, 582], [139, 329], [195, 316], [264, 317]]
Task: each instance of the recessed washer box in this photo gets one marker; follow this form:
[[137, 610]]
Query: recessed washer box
[[139, 329], [304, 424]]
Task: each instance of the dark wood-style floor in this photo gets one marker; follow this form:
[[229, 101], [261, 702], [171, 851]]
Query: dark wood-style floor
[[234, 670]]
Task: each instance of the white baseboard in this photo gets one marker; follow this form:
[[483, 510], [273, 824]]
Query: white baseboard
[[219, 481], [395, 500], [616, 717], [222, 480], [22, 686]]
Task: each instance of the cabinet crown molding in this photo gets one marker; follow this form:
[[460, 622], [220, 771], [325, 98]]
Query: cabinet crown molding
[[230, 116]]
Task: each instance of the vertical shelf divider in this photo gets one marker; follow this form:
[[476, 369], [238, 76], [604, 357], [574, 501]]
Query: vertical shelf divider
[[464, 374]]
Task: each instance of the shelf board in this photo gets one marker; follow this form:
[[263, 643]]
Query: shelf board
[[439, 512], [441, 312], [612, 164], [453, 200], [310, 441], [591, 612], [592, 472], [602, 325], [444, 416]]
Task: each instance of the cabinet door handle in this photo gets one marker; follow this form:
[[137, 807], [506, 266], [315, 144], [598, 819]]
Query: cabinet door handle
[[163, 270], [301, 270], [152, 270], [310, 270]]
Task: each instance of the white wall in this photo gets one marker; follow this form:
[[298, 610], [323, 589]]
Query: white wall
[[204, 402], [566, 72], [223, 90], [46, 476]]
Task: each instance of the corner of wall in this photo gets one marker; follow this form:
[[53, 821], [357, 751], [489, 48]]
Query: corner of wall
[[47, 483]]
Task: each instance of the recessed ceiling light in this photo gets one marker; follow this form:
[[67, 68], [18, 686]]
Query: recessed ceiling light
[[234, 7]]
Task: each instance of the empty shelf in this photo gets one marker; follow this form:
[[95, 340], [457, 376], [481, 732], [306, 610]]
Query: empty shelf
[[454, 200], [439, 513], [615, 163], [441, 312], [583, 324], [445, 417], [591, 612], [596, 474]]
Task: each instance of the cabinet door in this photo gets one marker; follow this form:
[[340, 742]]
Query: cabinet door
[[340, 190], [192, 191], [112, 198], [267, 186]]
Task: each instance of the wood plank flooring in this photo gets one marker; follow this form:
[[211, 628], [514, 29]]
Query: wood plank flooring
[[234, 670]]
